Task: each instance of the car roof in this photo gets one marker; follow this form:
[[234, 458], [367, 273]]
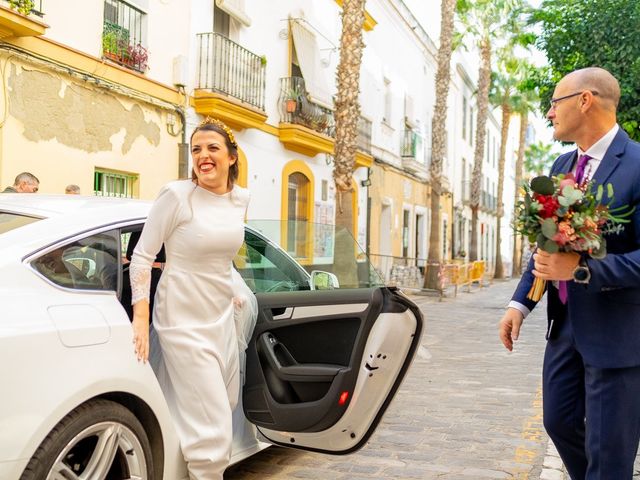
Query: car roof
[[64, 216]]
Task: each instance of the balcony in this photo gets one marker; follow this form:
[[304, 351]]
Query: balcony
[[305, 127], [363, 155], [20, 22], [230, 82], [412, 152], [122, 36]]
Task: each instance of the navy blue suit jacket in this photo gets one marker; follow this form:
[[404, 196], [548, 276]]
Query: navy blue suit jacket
[[605, 313]]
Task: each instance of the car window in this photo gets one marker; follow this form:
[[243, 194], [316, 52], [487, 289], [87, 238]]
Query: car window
[[11, 221], [266, 268], [87, 264]]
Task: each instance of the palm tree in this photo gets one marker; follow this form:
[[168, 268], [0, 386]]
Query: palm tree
[[439, 137], [487, 21], [347, 113], [525, 104], [506, 93]]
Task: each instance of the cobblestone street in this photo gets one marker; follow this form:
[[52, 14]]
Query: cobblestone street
[[468, 409]]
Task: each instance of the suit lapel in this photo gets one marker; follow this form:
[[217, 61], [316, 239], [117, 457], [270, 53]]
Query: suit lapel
[[566, 163], [611, 159]]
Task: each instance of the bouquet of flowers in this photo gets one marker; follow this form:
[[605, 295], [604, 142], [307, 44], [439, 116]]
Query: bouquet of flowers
[[562, 216]]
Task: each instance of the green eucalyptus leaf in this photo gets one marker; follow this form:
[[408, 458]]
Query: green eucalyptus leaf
[[540, 239], [599, 193], [549, 228], [609, 190], [550, 247], [542, 185]]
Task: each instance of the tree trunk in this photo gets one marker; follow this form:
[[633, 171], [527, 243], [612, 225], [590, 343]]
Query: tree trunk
[[504, 134], [519, 239], [347, 113], [484, 81], [439, 140]]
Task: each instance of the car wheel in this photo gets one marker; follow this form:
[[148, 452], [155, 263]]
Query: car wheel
[[99, 439]]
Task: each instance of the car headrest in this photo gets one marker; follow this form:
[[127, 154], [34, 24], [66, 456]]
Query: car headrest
[[133, 241]]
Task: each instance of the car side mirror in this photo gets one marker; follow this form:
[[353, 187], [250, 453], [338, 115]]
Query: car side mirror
[[323, 280]]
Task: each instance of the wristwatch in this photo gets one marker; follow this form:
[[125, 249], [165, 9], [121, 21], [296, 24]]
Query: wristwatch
[[581, 274]]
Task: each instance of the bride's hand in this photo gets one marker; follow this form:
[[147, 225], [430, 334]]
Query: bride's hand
[[140, 327]]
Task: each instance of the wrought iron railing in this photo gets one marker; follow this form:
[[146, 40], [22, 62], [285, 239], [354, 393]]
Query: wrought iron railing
[[364, 135], [37, 8], [226, 67], [295, 107], [408, 147], [122, 41]]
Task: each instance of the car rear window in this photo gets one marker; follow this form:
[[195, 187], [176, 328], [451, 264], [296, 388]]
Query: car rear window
[[10, 221]]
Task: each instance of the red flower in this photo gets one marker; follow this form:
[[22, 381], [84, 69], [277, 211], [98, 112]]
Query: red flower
[[549, 205]]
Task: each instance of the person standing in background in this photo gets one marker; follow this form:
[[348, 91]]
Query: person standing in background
[[25, 182]]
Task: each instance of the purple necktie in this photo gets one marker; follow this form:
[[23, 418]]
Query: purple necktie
[[580, 168], [582, 163]]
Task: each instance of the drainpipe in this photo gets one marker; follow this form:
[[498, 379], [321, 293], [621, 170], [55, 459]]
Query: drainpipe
[[183, 147]]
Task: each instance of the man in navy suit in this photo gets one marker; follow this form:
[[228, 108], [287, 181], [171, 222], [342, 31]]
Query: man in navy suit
[[591, 371]]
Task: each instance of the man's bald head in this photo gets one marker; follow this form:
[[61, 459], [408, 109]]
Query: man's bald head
[[597, 80]]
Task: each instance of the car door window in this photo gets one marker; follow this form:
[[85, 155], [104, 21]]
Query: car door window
[[90, 263], [266, 268]]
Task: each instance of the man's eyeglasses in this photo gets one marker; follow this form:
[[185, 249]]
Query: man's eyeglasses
[[554, 101]]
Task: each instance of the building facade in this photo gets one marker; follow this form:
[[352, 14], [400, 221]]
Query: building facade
[[109, 103]]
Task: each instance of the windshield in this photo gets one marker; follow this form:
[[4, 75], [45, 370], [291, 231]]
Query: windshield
[[11, 221], [322, 247]]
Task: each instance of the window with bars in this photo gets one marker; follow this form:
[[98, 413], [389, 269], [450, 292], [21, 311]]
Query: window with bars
[[114, 184], [123, 35]]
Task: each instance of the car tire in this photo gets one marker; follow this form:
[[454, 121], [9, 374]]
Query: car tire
[[99, 439]]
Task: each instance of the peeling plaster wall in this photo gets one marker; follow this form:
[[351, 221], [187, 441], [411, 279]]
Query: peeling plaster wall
[[61, 131]]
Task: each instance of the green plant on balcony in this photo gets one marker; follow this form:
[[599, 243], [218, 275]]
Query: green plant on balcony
[[115, 42], [21, 6], [291, 98]]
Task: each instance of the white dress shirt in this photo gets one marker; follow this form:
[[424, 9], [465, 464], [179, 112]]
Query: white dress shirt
[[597, 152]]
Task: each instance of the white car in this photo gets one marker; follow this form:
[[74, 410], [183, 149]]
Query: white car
[[322, 364]]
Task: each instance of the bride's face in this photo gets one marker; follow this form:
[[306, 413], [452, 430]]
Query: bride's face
[[211, 160]]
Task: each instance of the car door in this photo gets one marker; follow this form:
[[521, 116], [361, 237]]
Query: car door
[[322, 365]]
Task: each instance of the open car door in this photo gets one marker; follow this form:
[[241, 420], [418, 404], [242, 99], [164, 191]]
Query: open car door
[[323, 366]]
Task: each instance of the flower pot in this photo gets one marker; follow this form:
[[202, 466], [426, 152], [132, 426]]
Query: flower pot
[[290, 105]]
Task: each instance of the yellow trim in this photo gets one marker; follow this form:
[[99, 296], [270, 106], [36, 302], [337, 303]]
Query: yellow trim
[[233, 112], [363, 160], [265, 127], [297, 166], [369, 21], [304, 140], [94, 66], [13, 24], [243, 168]]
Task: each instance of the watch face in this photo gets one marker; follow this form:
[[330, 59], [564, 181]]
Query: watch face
[[581, 274]]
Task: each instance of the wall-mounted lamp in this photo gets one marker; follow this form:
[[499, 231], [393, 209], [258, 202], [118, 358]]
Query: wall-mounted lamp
[[328, 158], [171, 125], [366, 182]]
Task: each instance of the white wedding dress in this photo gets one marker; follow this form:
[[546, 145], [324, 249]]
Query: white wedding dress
[[193, 316]]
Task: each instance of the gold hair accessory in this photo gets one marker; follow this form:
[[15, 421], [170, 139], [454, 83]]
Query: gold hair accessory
[[221, 125]]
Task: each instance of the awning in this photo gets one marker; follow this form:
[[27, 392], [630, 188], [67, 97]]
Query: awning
[[235, 10], [308, 55]]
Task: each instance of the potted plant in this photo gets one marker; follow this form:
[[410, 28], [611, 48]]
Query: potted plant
[[137, 57], [291, 98], [21, 6]]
